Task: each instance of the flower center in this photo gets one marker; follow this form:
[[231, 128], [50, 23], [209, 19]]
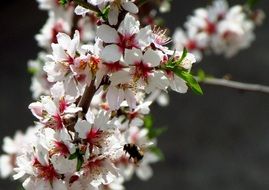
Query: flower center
[[142, 71], [45, 172], [126, 42]]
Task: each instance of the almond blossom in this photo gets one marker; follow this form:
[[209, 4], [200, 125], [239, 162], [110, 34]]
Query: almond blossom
[[93, 91], [127, 36]]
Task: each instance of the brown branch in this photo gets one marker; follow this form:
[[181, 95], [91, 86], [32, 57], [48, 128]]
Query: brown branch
[[87, 96], [236, 85]]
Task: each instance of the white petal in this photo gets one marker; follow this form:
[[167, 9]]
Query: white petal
[[63, 165], [63, 40], [90, 116], [107, 34], [59, 185], [5, 166], [57, 90], [49, 105], [120, 77], [111, 54], [81, 10], [163, 99], [71, 50], [129, 25], [82, 127], [130, 7], [58, 53], [113, 16], [114, 97], [137, 122], [178, 85], [143, 37], [36, 109], [152, 58], [144, 172], [133, 56], [130, 98]]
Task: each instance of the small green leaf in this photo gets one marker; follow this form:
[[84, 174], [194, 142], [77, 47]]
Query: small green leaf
[[152, 132], [182, 57], [201, 75], [80, 162], [172, 64], [32, 70], [191, 81], [73, 156], [148, 122], [79, 156], [63, 2], [155, 150], [156, 132], [104, 13]]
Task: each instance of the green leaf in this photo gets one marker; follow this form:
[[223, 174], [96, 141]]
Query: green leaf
[[182, 57], [104, 13], [152, 132], [63, 2], [79, 156], [190, 80], [80, 161], [201, 75], [32, 70], [156, 132], [172, 64], [155, 150], [148, 122], [252, 3], [73, 156]]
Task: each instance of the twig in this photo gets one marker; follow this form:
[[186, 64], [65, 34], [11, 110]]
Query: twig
[[87, 96], [236, 85]]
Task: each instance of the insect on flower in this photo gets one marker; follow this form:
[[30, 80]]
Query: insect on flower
[[134, 151]]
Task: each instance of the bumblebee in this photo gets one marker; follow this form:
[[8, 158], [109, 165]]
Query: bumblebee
[[134, 151]]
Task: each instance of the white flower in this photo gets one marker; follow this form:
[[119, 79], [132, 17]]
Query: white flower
[[53, 26], [120, 89], [115, 8], [126, 37], [96, 129], [63, 55]]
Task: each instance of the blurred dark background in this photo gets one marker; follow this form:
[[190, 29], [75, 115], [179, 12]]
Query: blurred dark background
[[219, 141]]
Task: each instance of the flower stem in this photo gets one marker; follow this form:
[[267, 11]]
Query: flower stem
[[236, 85]]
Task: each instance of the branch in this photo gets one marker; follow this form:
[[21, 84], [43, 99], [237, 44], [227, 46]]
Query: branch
[[236, 85], [87, 5], [87, 96]]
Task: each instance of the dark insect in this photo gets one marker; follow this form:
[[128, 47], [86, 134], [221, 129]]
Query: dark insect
[[134, 151]]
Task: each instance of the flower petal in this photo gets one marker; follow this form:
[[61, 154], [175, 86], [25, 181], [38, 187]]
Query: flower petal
[[130, 7], [111, 54], [129, 26], [133, 56], [107, 34], [82, 127], [143, 37], [152, 58]]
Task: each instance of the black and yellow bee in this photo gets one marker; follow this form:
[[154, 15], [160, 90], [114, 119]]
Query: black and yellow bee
[[134, 152]]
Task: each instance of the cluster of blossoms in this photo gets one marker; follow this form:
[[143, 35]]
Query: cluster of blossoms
[[218, 28], [93, 91], [103, 63]]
